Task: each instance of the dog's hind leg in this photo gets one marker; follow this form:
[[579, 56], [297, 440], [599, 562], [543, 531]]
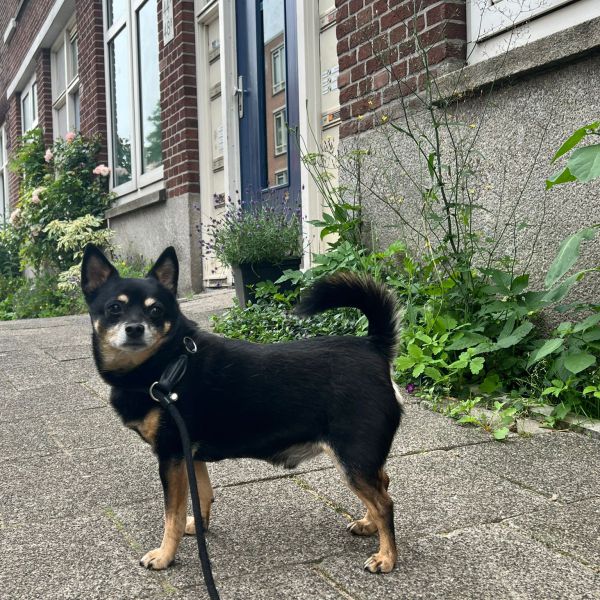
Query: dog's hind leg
[[175, 487], [367, 525], [372, 490], [205, 492]]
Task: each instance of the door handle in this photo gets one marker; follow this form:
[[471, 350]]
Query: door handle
[[239, 91]]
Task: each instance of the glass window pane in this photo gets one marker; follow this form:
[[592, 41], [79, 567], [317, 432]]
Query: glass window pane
[[2, 198], [149, 86], [74, 58], [61, 121], [120, 107], [273, 21], [59, 73], [116, 9], [75, 124], [26, 115], [34, 106]]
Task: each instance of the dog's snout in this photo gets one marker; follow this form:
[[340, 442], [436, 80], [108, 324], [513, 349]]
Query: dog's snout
[[134, 330]]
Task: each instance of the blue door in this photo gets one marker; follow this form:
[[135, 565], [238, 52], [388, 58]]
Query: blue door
[[268, 101]]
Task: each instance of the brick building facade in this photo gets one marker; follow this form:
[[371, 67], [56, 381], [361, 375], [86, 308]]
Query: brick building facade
[[171, 88]]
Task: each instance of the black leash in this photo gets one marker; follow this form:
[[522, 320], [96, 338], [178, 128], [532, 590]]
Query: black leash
[[162, 392]]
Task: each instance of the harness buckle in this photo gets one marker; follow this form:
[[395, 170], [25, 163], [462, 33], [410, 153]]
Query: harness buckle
[[190, 345]]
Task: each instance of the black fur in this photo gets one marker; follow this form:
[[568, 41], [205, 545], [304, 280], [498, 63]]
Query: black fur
[[269, 402]]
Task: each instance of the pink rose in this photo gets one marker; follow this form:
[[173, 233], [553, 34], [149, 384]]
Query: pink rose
[[101, 170], [70, 136], [35, 199], [15, 216], [48, 156]]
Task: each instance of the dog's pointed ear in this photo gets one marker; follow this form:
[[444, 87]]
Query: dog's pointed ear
[[166, 269], [96, 270]]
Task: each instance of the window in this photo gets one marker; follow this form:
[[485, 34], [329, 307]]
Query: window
[[278, 69], [280, 132], [495, 26], [4, 208], [281, 177], [65, 83], [29, 110], [133, 73]]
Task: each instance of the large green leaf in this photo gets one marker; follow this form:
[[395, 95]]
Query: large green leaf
[[567, 256], [563, 176], [579, 361], [467, 340], [584, 163], [549, 346], [587, 323], [516, 336], [575, 138]]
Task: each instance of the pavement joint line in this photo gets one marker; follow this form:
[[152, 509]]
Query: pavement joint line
[[439, 449], [530, 535], [524, 486], [332, 582], [328, 502]]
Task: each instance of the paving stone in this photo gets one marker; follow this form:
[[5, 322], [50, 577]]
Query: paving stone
[[91, 428], [573, 529], [433, 492], [422, 429], [565, 464], [254, 528], [70, 352], [18, 405], [19, 439], [71, 559], [481, 563]]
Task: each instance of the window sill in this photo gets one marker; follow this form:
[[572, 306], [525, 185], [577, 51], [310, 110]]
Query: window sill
[[564, 46], [136, 201]]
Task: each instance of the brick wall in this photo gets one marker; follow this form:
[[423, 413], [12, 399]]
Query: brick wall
[[177, 63], [92, 86], [44, 94], [377, 48]]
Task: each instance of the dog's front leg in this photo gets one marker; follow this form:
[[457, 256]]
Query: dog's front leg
[[205, 493], [175, 487]]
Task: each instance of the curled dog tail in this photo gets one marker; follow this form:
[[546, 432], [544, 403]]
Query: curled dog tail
[[353, 290]]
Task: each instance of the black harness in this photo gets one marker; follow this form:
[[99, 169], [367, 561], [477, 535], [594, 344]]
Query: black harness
[[162, 392]]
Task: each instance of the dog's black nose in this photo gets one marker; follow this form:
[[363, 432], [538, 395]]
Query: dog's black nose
[[134, 330]]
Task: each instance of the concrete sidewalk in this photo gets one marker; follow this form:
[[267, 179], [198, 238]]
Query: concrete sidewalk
[[81, 502]]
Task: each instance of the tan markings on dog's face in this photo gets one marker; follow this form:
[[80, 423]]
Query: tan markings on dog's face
[[97, 326], [167, 326], [148, 426], [149, 301], [123, 298], [114, 356]]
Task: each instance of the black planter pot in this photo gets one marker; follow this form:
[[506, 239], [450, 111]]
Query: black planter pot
[[247, 275]]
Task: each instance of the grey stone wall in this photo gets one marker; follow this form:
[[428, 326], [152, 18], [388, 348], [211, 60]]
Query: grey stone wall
[[519, 126], [148, 230]]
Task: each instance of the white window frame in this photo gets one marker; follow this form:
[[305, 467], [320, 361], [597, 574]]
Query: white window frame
[[128, 20], [29, 94], [4, 206], [279, 113], [285, 178], [495, 26], [69, 96], [278, 54]]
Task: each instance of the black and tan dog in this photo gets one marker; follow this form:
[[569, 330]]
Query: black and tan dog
[[282, 403]]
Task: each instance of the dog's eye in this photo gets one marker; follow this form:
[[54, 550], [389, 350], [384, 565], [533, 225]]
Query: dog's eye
[[155, 311], [114, 309]]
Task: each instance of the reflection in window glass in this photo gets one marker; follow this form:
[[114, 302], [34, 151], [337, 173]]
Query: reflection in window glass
[[61, 121], [3, 201], [273, 21], [278, 69], [76, 119], [74, 58], [149, 86], [116, 9], [59, 73], [281, 177], [280, 132], [120, 107]]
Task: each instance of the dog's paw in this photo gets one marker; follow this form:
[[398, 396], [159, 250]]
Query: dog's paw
[[380, 563], [190, 525], [156, 559], [362, 527]]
